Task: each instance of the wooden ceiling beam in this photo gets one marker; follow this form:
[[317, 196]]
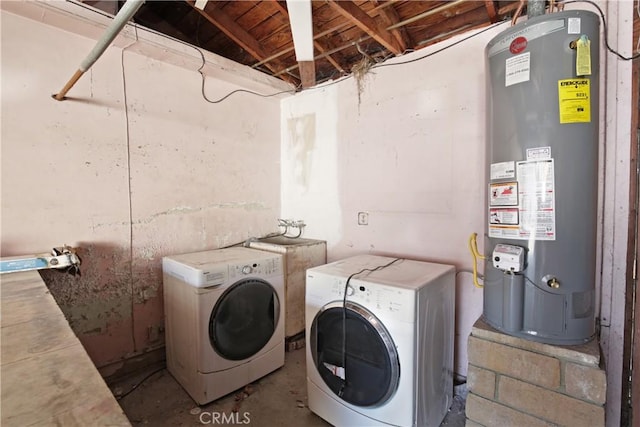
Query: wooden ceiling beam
[[476, 18], [504, 10], [315, 37], [282, 7], [440, 9], [236, 33], [307, 73], [307, 68], [362, 20], [390, 16], [145, 15], [330, 52], [322, 49]]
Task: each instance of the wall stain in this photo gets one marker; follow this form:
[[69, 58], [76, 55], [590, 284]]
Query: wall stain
[[250, 130], [112, 292], [92, 317], [102, 292], [302, 139]]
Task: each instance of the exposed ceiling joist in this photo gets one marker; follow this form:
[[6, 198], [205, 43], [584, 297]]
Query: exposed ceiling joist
[[320, 47], [330, 52], [301, 24], [238, 34], [390, 17], [307, 68], [307, 73], [510, 7], [430, 12], [258, 33], [351, 11]]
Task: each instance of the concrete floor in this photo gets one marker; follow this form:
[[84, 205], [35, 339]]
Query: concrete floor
[[279, 399]]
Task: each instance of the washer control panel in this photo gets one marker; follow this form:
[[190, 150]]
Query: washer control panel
[[268, 267]]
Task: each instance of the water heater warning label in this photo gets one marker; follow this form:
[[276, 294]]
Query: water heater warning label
[[533, 193], [503, 194], [574, 100]]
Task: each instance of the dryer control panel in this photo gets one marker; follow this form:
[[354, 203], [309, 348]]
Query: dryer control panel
[[384, 300]]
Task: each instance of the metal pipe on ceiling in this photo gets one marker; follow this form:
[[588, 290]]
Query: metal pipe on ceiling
[[516, 15], [535, 8], [425, 14], [118, 23]]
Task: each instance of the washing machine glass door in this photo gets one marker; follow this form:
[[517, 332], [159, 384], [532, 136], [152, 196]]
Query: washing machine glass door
[[354, 354], [244, 319]]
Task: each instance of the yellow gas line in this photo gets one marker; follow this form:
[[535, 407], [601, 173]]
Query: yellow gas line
[[473, 247]]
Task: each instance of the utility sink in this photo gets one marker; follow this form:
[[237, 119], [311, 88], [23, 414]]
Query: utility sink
[[299, 255], [286, 241]]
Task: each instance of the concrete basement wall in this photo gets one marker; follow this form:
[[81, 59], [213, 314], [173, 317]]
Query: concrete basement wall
[[170, 173]]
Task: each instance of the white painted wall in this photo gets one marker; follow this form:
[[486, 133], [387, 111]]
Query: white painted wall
[[170, 173], [409, 151]]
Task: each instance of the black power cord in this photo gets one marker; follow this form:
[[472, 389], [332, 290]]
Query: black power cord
[[139, 383], [606, 31], [344, 317]]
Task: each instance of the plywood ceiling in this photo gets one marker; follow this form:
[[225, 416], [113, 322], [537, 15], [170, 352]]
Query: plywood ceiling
[[347, 34]]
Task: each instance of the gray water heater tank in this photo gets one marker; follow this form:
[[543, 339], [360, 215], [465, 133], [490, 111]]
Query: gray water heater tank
[[542, 176]]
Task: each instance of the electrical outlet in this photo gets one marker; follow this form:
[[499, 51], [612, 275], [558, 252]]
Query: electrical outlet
[[363, 218]]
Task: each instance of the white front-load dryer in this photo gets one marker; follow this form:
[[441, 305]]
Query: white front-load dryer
[[224, 319], [380, 341]]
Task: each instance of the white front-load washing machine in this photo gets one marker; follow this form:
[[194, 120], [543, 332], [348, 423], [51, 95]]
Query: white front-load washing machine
[[224, 319], [380, 341]]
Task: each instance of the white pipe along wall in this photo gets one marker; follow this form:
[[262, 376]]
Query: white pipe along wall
[[119, 21]]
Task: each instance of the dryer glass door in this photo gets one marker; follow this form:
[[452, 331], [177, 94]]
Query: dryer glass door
[[354, 354], [244, 319]]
